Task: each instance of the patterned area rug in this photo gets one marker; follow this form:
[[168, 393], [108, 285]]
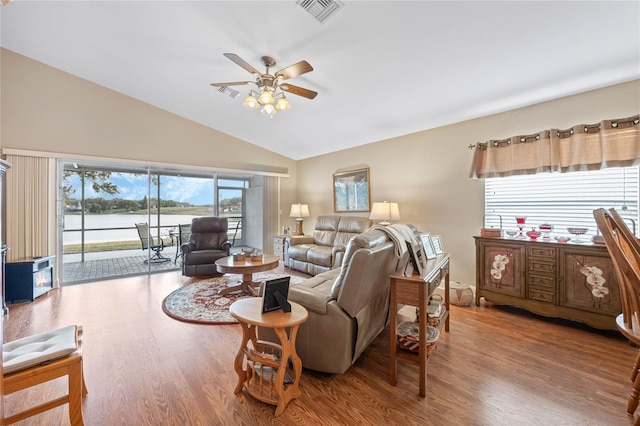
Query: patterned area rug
[[200, 302]]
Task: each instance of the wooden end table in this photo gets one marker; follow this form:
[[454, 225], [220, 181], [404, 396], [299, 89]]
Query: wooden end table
[[262, 366], [247, 268], [416, 291]]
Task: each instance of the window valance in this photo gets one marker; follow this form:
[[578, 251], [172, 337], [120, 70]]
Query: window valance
[[610, 143]]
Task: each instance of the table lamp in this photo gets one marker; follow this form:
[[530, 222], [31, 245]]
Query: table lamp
[[299, 211], [385, 212]]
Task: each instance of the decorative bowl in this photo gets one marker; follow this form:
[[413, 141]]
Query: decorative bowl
[[533, 234], [577, 231], [256, 257], [237, 257], [512, 232], [562, 239]]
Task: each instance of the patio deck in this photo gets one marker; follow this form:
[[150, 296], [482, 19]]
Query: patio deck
[[106, 265]]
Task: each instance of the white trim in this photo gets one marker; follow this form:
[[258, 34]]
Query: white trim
[[275, 171]]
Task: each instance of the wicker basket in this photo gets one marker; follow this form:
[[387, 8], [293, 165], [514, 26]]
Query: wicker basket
[[409, 337], [460, 294]]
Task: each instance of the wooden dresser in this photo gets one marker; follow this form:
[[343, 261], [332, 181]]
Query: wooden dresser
[[564, 280]]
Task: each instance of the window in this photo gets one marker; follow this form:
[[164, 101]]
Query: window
[[562, 200]]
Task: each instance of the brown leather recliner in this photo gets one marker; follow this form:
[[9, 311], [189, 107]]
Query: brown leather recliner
[[208, 242]]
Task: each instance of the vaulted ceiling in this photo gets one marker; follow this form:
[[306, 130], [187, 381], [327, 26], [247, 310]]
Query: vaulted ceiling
[[382, 69]]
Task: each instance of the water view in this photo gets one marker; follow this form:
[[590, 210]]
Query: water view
[[168, 222]]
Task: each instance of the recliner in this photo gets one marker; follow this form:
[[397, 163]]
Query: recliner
[[207, 243], [324, 249], [348, 306]]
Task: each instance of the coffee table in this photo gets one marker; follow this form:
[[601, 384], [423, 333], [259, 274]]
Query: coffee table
[[270, 372], [247, 268]]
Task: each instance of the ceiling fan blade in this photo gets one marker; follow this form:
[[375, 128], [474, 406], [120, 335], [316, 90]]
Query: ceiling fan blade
[[232, 83], [244, 64], [300, 91], [294, 70]]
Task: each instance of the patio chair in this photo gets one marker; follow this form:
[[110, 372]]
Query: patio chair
[[235, 234], [148, 242], [184, 232]]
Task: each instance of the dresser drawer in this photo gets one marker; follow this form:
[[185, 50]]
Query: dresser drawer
[[548, 283], [542, 266], [544, 252], [542, 296], [278, 246]]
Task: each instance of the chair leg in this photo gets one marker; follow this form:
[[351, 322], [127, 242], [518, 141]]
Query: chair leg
[[632, 404], [636, 366], [77, 388]]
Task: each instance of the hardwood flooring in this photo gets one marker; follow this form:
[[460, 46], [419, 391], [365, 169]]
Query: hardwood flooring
[[497, 366]]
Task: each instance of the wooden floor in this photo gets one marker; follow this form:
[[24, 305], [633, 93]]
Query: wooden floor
[[497, 366]]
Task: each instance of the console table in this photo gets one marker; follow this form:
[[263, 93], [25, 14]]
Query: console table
[[416, 291], [564, 280]]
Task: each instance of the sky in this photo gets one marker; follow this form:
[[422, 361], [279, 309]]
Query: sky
[[196, 191]]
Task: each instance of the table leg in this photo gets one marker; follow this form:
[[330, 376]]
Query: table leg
[[248, 334], [393, 378], [245, 285], [288, 352], [423, 300]]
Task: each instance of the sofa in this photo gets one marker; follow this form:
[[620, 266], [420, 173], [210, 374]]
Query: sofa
[[324, 249], [207, 243], [348, 306]]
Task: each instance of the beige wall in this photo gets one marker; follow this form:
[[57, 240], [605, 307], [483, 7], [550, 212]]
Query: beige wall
[[44, 109], [47, 110], [427, 172]]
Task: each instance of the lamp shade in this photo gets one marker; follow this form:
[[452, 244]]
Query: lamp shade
[[299, 210], [385, 212]]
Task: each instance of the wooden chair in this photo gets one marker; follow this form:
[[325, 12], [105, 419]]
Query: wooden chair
[[43, 357], [624, 250]]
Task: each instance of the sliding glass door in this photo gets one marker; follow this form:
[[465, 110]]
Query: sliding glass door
[[118, 221]]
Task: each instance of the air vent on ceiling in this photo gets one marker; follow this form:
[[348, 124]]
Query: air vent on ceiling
[[228, 91], [321, 9]]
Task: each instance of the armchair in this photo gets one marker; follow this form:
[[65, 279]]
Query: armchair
[[207, 243]]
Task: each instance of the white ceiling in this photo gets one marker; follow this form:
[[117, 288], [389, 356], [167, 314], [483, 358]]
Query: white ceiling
[[381, 68]]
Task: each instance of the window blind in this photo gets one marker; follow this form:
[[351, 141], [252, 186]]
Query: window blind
[[562, 199]]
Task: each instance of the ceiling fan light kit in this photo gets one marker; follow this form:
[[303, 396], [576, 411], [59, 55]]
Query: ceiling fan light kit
[[270, 97]]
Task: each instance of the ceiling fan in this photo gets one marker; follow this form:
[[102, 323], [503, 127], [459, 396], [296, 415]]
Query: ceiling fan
[[270, 97]]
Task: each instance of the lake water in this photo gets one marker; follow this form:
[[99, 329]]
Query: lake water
[[167, 221]]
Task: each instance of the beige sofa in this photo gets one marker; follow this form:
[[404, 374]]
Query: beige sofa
[[348, 306], [324, 249]]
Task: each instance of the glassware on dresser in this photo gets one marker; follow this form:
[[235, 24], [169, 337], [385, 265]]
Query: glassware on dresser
[[577, 232], [520, 220], [533, 234], [546, 229]]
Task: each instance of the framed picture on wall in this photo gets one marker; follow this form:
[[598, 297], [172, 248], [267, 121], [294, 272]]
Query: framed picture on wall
[[351, 191]]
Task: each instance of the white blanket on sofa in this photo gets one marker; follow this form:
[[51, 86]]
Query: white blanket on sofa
[[399, 233]]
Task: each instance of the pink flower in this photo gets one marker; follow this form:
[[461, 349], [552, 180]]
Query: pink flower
[[496, 274]]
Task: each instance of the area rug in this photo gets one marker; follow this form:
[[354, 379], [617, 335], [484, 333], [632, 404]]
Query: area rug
[[200, 302]]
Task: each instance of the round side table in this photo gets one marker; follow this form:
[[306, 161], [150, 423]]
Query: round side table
[[262, 367]]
